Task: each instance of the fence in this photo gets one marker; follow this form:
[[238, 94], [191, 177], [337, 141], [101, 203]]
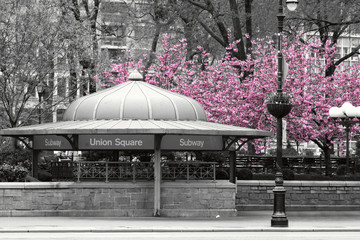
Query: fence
[[300, 164], [87, 170], [192, 170]]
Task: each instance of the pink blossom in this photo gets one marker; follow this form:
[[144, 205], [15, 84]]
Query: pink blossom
[[230, 98]]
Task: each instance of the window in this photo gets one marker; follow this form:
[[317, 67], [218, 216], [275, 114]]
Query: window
[[115, 54], [354, 43], [60, 114], [114, 7], [61, 87], [355, 56], [113, 30], [337, 54]]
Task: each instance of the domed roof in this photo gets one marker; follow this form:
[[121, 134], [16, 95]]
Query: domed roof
[[135, 100]]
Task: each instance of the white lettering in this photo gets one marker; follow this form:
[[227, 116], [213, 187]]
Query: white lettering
[[128, 143], [191, 143], [100, 142], [50, 142]]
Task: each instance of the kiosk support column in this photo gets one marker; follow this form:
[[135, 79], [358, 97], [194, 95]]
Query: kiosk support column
[[232, 160], [157, 175], [35, 160]]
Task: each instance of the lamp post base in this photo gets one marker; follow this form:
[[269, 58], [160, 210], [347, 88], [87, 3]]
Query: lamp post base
[[279, 221], [279, 218]]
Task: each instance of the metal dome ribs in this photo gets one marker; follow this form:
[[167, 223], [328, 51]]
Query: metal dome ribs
[[135, 100]]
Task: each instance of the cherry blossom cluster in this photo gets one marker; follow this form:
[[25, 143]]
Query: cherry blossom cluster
[[234, 92]]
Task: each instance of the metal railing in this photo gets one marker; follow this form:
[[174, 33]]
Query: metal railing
[[87, 170], [300, 164], [113, 170], [189, 170]]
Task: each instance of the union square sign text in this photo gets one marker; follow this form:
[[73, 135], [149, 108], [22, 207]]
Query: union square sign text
[[128, 142]]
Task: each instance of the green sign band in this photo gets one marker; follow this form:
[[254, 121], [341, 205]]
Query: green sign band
[[51, 142], [130, 142], [116, 142], [191, 142]]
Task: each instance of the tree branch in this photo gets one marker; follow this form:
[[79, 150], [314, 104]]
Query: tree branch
[[212, 34], [352, 53], [76, 11]]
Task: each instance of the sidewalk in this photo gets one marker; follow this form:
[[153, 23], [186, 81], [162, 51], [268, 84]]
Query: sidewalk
[[247, 221]]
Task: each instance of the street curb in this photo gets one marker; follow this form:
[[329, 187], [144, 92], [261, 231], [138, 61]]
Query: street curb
[[179, 230]]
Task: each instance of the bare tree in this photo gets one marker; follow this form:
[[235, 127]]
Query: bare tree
[[86, 14], [218, 29], [32, 40], [162, 15], [329, 21]]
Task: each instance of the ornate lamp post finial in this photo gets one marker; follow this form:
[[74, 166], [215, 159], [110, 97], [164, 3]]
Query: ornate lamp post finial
[[135, 76]]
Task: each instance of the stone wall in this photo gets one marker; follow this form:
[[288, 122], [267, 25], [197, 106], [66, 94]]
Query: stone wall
[[178, 199], [300, 195]]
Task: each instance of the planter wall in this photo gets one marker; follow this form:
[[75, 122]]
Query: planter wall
[[300, 195], [178, 199]]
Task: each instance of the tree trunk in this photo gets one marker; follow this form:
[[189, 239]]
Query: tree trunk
[[327, 152], [241, 55], [251, 147], [73, 78], [331, 69], [153, 48], [188, 32], [248, 25], [325, 145], [14, 143]]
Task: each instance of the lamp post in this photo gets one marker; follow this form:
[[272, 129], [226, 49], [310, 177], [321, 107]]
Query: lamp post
[[41, 91], [36, 153], [346, 115], [279, 105]]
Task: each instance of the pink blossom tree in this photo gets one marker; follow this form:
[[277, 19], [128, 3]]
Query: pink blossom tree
[[315, 92], [243, 103]]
